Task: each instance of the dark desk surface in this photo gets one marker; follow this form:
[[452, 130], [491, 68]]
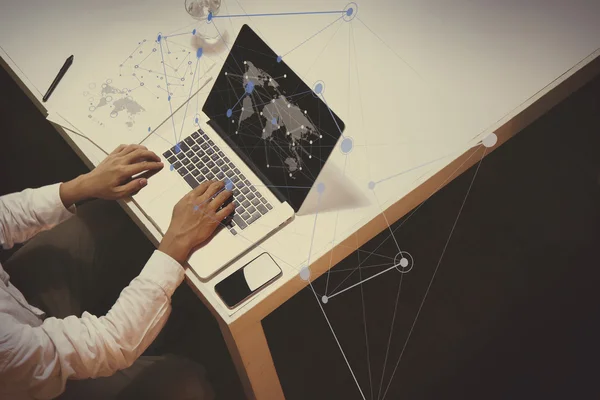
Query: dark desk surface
[[513, 312]]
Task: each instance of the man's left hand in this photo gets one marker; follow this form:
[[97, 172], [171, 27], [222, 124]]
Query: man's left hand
[[113, 179]]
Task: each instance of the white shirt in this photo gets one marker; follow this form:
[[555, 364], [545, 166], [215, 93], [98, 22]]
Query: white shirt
[[38, 355]]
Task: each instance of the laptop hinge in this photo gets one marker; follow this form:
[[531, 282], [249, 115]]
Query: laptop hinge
[[248, 161]]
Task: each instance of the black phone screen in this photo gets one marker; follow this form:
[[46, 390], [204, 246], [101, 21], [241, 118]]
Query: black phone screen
[[248, 280]]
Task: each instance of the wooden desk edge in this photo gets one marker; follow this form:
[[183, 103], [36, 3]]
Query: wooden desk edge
[[425, 190]]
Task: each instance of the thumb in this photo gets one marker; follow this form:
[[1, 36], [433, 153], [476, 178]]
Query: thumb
[[133, 187]]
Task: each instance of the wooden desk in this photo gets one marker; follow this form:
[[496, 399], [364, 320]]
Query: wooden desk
[[485, 74]]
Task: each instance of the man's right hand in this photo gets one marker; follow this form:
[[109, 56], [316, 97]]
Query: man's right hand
[[195, 219]]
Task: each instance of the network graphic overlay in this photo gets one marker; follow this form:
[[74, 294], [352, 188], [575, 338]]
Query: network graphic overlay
[[266, 109], [262, 113], [163, 72]]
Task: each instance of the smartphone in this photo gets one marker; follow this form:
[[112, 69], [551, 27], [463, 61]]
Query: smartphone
[[248, 280]]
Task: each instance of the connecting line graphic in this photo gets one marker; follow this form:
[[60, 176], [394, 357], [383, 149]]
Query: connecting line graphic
[[364, 280], [327, 26], [433, 276], [277, 14], [390, 48], [407, 218], [227, 45], [332, 116], [287, 97], [387, 351], [187, 103], [417, 167], [178, 34], [334, 233], [364, 315], [237, 102], [337, 341], [387, 223], [168, 94], [321, 190]]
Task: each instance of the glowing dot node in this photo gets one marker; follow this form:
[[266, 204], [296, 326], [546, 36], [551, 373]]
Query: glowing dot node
[[490, 140], [350, 12], [279, 58], [403, 262], [347, 145], [324, 299], [229, 113], [319, 87], [371, 185], [305, 273]]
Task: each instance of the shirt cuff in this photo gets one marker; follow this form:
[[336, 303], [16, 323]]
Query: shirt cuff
[[164, 271], [50, 206]]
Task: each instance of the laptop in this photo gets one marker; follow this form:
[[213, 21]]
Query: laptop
[[267, 134]]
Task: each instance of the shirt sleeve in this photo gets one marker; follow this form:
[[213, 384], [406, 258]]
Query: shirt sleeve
[[41, 359], [24, 214]]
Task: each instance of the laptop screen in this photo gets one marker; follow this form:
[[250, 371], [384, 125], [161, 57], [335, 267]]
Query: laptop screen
[[271, 118]]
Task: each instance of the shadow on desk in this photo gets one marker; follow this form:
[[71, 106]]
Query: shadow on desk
[[341, 193]]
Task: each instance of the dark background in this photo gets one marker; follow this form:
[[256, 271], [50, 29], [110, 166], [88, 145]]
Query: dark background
[[513, 312]]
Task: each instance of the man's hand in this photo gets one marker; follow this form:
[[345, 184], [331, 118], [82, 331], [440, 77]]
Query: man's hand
[[112, 178], [195, 219]]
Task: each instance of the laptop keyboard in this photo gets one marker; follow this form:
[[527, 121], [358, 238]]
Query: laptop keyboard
[[200, 159]]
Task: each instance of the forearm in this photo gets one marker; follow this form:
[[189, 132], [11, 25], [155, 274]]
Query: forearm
[[74, 191], [91, 346], [26, 213], [175, 246]]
